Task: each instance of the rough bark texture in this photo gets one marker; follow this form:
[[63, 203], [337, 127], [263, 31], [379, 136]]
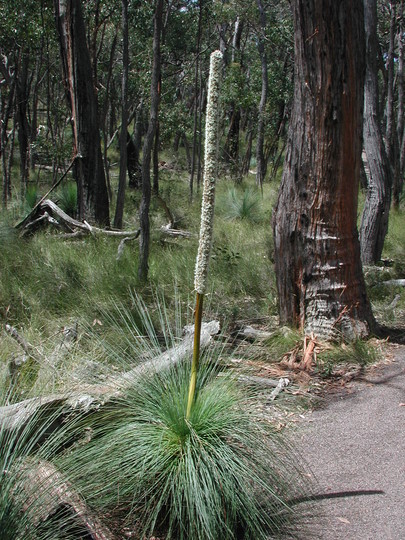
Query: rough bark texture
[[148, 145], [119, 209], [319, 277], [374, 223], [133, 164], [401, 97], [195, 154], [89, 171], [231, 148], [22, 120], [260, 159]]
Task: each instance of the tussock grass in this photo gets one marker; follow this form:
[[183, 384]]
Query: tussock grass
[[358, 352], [21, 501], [242, 205], [282, 341], [219, 475], [67, 198]]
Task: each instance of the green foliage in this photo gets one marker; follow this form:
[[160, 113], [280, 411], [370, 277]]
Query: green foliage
[[358, 352], [242, 205], [282, 341], [68, 198], [31, 196], [218, 475], [22, 512]]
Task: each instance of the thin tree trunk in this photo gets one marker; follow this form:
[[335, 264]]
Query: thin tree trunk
[[11, 153], [318, 269], [22, 120], [133, 145], [104, 119], [248, 153], [156, 160], [195, 153], [231, 148], [6, 141], [119, 209], [374, 222], [35, 99], [260, 160], [147, 147], [401, 98], [89, 171], [389, 134]]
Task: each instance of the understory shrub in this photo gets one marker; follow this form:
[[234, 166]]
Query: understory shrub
[[219, 475]]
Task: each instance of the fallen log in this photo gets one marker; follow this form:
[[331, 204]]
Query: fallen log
[[15, 417], [253, 333], [393, 283], [49, 494], [254, 380], [64, 220]]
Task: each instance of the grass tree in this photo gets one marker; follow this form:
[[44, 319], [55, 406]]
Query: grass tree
[[207, 210], [181, 456]]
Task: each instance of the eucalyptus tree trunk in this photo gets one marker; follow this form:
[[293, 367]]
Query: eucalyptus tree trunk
[[401, 96], [231, 149], [374, 222], [260, 159], [390, 121], [155, 159], [6, 141], [133, 147], [318, 269], [148, 145], [104, 115], [195, 154], [119, 209], [22, 93], [391, 135], [89, 171]]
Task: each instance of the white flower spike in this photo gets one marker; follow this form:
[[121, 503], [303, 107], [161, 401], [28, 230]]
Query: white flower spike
[[210, 173]]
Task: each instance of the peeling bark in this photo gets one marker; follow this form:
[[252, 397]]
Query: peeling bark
[[374, 222], [89, 171], [319, 276], [148, 144]]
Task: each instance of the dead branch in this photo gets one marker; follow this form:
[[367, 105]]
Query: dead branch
[[27, 347], [88, 398], [65, 221], [253, 333], [121, 245], [166, 229], [394, 283], [253, 380], [309, 357], [48, 493], [55, 185]]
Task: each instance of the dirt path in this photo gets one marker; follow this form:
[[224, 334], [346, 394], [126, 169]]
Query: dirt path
[[356, 443]]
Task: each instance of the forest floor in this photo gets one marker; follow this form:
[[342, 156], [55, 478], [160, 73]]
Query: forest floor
[[356, 443]]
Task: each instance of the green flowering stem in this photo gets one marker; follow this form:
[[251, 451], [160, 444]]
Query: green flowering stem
[[207, 212], [196, 352]]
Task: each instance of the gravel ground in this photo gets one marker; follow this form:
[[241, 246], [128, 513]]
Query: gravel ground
[[357, 443]]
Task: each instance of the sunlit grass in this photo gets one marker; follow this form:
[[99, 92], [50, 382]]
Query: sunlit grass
[[220, 474]]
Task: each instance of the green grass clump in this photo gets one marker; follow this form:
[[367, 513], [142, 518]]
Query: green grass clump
[[242, 205], [68, 198], [282, 341], [31, 196], [358, 352], [218, 475], [24, 502]]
